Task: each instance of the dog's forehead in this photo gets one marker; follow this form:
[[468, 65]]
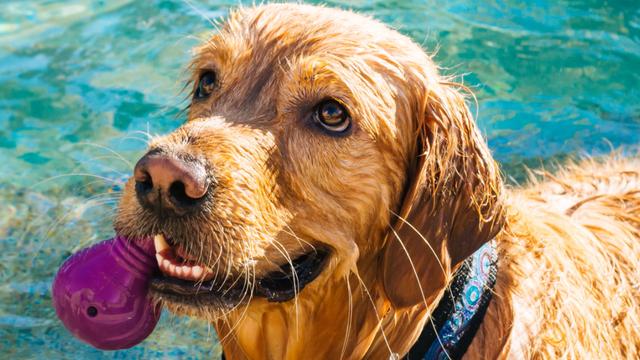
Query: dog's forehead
[[256, 45], [287, 29]]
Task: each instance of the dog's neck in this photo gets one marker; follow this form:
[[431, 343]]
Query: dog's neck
[[455, 321], [452, 326]]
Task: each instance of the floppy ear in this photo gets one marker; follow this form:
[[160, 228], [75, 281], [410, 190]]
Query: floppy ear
[[452, 206]]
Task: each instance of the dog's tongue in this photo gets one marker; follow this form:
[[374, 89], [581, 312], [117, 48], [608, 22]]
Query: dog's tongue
[[100, 293]]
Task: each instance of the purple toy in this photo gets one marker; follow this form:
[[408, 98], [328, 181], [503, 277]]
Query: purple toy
[[100, 293]]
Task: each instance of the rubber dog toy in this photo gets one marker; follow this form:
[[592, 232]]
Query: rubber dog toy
[[100, 293]]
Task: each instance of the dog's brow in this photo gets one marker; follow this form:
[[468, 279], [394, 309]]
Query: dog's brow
[[261, 79], [207, 66]]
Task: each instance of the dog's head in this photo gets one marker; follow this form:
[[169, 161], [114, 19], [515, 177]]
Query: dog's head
[[326, 172]]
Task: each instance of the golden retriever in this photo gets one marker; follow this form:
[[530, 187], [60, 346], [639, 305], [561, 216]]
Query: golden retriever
[[328, 185]]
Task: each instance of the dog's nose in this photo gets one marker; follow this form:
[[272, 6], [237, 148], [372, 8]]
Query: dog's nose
[[161, 177]]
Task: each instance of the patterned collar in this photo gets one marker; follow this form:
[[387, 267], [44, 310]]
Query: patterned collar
[[461, 310]]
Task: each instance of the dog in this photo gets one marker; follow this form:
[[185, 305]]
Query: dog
[[330, 188]]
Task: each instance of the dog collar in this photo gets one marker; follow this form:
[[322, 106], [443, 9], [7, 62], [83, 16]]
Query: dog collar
[[455, 321]]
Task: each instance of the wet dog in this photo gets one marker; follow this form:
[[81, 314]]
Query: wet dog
[[329, 186]]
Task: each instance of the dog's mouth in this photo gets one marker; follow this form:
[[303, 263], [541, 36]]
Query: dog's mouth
[[184, 279]]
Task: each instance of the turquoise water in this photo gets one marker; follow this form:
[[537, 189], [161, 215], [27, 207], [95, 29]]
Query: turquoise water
[[83, 82]]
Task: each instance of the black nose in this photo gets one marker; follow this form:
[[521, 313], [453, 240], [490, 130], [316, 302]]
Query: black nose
[[163, 180]]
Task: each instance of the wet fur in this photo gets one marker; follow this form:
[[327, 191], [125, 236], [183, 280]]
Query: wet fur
[[399, 202]]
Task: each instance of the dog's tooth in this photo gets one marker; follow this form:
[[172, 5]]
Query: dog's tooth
[[160, 259], [186, 270], [197, 271], [160, 243], [179, 270], [172, 269], [165, 264]]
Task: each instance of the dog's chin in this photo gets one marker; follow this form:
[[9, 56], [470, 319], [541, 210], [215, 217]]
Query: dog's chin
[[221, 295]]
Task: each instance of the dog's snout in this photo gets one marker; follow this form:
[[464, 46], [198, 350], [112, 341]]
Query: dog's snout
[[162, 177]]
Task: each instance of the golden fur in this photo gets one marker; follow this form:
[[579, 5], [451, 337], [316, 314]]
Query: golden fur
[[399, 201]]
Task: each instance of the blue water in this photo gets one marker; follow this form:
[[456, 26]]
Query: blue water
[[83, 83]]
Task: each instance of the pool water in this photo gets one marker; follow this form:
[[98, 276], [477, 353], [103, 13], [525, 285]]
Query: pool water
[[84, 83]]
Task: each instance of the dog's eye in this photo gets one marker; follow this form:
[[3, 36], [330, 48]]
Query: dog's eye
[[205, 85], [332, 116]]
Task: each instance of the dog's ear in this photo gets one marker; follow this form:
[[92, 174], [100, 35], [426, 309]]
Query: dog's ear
[[453, 202]]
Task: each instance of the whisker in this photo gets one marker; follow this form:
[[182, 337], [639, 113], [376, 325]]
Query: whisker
[[90, 183], [109, 150], [243, 315], [424, 299], [134, 138], [230, 334], [384, 336], [216, 264], [290, 232], [67, 213], [422, 237], [147, 133], [200, 12], [82, 163], [349, 319], [95, 204], [296, 281], [76, 174], [228, 265]]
